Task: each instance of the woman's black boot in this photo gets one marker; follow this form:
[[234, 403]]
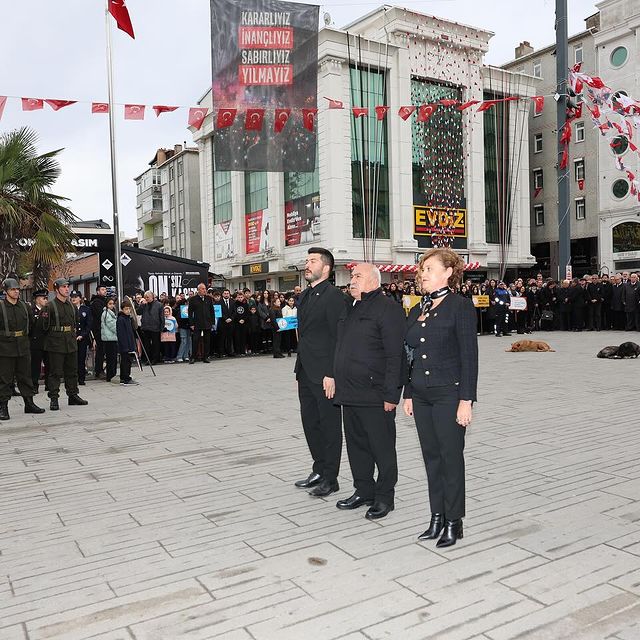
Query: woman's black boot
[[435, 527], [452, 531]]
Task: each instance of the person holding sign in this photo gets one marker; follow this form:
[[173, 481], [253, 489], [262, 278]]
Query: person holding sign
[[200, 313], [442, 350]]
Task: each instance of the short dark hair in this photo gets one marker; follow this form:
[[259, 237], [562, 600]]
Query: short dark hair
[[225, 290], [325, 255]]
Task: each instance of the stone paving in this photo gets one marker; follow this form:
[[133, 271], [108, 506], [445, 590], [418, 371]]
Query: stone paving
[[168, 511]]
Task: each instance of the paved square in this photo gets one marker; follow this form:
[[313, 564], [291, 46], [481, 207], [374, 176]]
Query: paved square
[[168, 511]]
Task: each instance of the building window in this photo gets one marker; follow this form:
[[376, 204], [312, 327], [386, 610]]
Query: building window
[[138, 188], [579, 131], [222, 204], [619, 56], [620, 189], [578, 165], [369, 157], [537, 69], [172, 201], [180, 167], [619, 145], [157, 177], [538, 212], [171, 173], [181, 196], [537, 142], [301, 205], [538, 182], [577, 54], [580, 209], [256, 194]]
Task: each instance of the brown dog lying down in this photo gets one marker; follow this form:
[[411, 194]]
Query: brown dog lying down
[[530, 345]]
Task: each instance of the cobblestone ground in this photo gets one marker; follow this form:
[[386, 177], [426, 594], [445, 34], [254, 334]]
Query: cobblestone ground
[[168, 511]]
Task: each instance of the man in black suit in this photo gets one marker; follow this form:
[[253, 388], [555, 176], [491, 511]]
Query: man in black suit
[[319, 309], [631, 302], [200, 321], [225, 332], [594, 305], [606, 292], [579, 299], [617, 308], [367, 366]]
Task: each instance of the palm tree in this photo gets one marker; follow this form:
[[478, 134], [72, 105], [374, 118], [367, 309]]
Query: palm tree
[[29, 211]]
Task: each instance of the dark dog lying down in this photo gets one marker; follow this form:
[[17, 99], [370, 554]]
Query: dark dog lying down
[[625, 350]]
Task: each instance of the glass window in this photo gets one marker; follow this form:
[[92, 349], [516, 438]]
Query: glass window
[[139, 187], [538, 211], [172, 201], [578, 165], [180, 167], [537, 142], [222, 207], [620, 188], [626, 237], [579, 131], [181, 196], [577, 54], [537, 70], [369, 161], [580, 209], [256, 195], [619, 56], [619, 145], [171, 172], [538, 182], [157, 177]]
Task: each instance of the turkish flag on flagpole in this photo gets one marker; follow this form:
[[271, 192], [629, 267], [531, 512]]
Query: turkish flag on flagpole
[[539, 103], [334, 104], [134, 112], [118, 9], [405, 112], [3, 101]]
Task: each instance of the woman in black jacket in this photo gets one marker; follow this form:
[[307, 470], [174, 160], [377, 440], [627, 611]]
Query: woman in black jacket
[[441, 386]]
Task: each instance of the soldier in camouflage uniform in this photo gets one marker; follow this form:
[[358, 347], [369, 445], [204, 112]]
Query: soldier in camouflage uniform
[[15, 354], [58, 321]]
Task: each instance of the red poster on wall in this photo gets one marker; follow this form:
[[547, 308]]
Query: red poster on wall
[[253, 231]]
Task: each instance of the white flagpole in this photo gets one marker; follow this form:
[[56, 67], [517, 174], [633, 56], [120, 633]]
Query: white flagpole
[[112, 144]]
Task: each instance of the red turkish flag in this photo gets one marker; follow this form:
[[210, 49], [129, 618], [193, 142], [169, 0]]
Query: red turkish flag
[[538, 101], [334, 104], [358, 112], [466, 105], [581, 184], [134, 112], [566, 133], [487, 104], [594, 82], [632, 147], [446, 102], [161, 108], [425, 111], [253, 119], [405, 112], [197, 116], [3, 101], [118, 9], [309, 118], [59, 104], [225, 118], [281, 117], [381, 112], [32, 104], [99, 107], [565, 157]]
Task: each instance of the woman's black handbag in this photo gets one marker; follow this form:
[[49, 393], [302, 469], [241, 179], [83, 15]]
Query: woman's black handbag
[[547, 316]]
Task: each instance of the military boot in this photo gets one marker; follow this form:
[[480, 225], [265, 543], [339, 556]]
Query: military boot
[[4, 410], [31, 407], [54, 405], [75, 399]]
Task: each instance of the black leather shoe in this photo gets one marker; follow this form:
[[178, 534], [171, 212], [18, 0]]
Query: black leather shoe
[[378, 510], [31, 407], [206, 360], [192, 361], [4, 410], [311, 481], [452, 531], [435, 527], [353, 502], [75, 399], [54, 405], [325, 488]]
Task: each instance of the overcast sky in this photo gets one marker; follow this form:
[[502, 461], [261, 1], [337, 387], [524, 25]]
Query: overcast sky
[[57, 50]]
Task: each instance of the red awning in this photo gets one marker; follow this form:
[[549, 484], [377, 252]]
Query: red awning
[[408, 268]]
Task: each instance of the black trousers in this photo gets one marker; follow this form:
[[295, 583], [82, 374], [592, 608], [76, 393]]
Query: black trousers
[[277, 342], [240, 338], [322, 424], [125, 367], [63, 366], [38, 356], [577, 318], [82, 359], [502, 320], [370, 433], [111, 354], [630, 324], [98, 366], [224, 338], [151, 340], [18, 369], [442, 442], [607, 316], [594, 316], [196, 336]]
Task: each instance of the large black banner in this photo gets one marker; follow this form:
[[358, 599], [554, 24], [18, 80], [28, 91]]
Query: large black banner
[[264, 57]]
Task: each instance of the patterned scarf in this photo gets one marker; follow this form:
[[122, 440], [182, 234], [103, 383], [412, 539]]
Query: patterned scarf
[[427, 300]]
